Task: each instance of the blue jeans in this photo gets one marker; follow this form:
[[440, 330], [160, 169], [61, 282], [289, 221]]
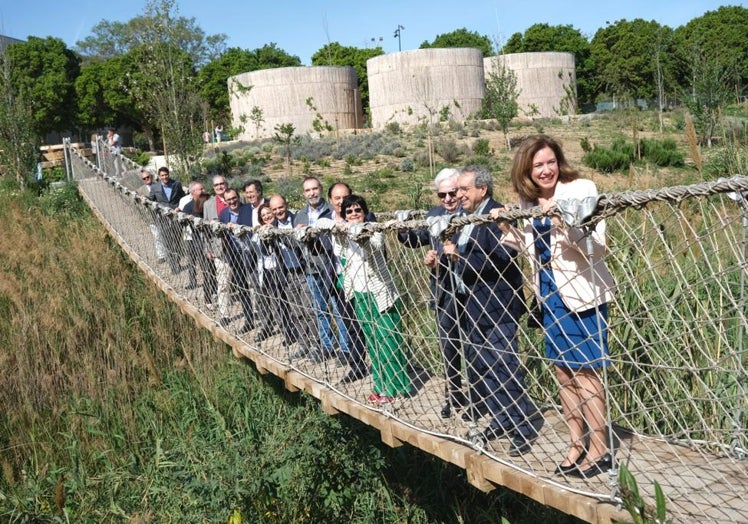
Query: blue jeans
[[324, 303]]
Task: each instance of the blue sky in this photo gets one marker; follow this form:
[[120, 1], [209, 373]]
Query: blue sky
[[302, 27]]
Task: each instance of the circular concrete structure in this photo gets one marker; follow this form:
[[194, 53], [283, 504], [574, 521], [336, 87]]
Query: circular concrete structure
[[416, 86], [547, 82], [318, 97]]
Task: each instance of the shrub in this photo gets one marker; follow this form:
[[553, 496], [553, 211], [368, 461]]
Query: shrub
[[618, 157], [407, 165], [662, 152], [448, 150], [481, 147], [585, 144], [393, 128]]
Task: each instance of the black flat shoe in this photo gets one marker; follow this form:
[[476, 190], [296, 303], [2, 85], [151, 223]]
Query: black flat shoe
[[490, 433], [352, 376], [571, 468], [603, 465], [519, 445]]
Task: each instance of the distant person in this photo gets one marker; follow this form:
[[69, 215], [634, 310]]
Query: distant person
[[206, 138], [573, 287], [219, 132], [442, 288], [370, 286], [115, 150]]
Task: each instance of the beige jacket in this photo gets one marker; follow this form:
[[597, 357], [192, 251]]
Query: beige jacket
[[581, 284]]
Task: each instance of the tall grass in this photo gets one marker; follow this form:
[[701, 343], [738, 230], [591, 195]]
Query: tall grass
[[117, 408]]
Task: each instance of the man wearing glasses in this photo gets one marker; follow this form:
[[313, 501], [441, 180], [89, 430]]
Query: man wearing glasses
[[237, 254], [212, 211], [442, 288], [145, 190], [488, 288]]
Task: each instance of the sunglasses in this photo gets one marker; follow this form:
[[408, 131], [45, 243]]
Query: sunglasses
[[352, 210], [443, 195], [146, 178]]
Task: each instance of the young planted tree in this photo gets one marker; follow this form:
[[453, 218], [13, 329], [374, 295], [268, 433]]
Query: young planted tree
[[284, 136], [257, 116], [19, 146], [502, 92], [710, 91], [166, 88]]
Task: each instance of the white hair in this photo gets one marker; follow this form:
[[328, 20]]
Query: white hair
[[445, 174]]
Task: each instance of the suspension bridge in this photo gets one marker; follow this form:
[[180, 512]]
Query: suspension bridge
[[677, 405]]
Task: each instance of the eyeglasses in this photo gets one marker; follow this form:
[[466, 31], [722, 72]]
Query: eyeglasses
[[146, 177], [219, 184], [450, 194], [352, 210], [232, 200]]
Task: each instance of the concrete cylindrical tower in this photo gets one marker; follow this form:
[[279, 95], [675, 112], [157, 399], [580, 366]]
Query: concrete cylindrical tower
[[425, 84], [312, 99], [547, 82]]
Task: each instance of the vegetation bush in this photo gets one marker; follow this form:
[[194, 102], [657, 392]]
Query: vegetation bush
[[662, 152], [481, 147], [621, 154], [449, 150], [407, 165], [608, 160]]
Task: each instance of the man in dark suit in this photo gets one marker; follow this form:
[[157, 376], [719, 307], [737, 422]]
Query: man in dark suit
[[237, 253], [443, 299], [168, 192], [488, 285], [299, 321]]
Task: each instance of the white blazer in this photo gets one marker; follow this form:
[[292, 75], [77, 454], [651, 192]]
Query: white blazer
[[581, 284]]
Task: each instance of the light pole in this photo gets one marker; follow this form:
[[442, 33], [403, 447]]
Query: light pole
[[397, 35]]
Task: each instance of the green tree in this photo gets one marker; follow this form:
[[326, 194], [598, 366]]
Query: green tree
[[212, 78], [500, 101], [19, 145], [719, 36], [43, 72], [111, 39], [624, 58], [540, 38], [257, 116], [461, 38], [334, 54], [165, 87], [709, 92], [284, 136]]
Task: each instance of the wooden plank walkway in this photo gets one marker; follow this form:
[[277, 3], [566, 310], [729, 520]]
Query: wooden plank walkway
[[700, 487]]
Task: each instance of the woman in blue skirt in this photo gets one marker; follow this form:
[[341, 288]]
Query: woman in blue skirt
[[573, 287]]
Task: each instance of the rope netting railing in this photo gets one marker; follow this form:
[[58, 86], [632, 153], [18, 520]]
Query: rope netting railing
[[676, 408]]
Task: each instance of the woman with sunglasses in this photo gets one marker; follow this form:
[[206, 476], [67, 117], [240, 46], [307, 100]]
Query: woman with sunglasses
[[369, 284]]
